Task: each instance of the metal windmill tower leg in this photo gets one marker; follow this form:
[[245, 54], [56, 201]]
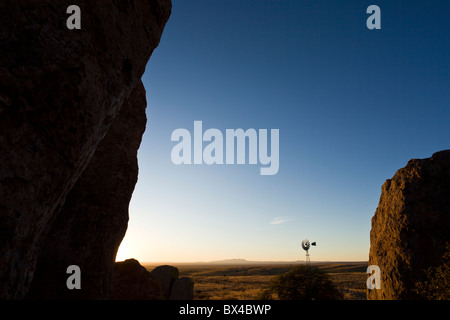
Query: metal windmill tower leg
[[307, 261]]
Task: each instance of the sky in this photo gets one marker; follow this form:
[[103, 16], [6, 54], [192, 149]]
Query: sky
[[352, 106]]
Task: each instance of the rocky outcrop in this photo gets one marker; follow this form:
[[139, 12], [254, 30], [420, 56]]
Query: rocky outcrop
[[166, 276], [93, 220], [411, 226], [72, 113], [133, 282], [182, 289]]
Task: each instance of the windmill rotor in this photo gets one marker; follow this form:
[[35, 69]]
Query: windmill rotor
[[306, 244]]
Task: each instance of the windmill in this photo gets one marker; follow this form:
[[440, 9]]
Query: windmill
[[306, 245]]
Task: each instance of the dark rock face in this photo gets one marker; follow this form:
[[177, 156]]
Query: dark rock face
[[411, 226], [97, 202], [133, 282], [60, 93], [166, 276], [182, 289]]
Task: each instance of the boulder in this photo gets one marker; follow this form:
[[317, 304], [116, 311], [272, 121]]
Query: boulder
[[133, 282], [166, 276], [61, 92], [182, 289], [411, 226], [93, 220]]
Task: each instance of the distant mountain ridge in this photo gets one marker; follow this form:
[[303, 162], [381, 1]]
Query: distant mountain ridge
[[227, 262], [244, 261], [249, 262]]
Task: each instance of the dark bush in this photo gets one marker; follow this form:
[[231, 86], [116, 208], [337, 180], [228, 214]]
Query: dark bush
[[302, 283]]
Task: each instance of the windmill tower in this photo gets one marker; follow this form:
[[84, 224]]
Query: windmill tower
[[306, 245]]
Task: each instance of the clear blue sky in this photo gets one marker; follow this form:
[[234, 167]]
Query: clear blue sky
[[352, 106]]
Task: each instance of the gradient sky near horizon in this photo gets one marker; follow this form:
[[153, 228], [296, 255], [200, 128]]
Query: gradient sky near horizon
[[353, 105]]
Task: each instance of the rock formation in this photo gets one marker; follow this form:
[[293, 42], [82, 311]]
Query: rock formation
[[166, 276], [72, 113], [98, 201], [411, 226], [182, 289], [133, 282]]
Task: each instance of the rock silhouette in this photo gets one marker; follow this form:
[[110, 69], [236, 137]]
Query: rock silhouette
[[166, 276], [72, 109], [411, 226], [182, 289], [97, 202], [133, 282]]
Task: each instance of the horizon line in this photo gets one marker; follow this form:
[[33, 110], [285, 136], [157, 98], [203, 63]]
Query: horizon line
[[244, 261]]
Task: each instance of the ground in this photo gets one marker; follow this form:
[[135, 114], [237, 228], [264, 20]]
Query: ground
[[246, 282]]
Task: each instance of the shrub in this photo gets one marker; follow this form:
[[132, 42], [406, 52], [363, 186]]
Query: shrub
[[302, 283]]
